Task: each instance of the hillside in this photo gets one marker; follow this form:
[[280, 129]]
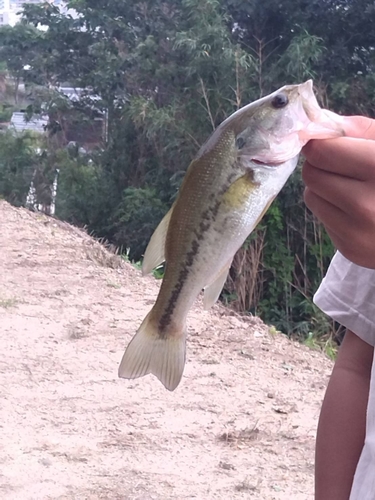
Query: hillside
[[241, 424]]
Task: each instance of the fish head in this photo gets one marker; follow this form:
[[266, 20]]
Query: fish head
[[274, 129]]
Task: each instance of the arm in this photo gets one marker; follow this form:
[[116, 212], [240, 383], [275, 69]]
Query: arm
[[342, 424], [340, 188]]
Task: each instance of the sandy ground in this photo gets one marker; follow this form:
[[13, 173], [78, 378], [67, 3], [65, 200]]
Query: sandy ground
[[241, 425]]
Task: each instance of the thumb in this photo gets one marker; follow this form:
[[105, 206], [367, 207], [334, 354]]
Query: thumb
[[359, 127]]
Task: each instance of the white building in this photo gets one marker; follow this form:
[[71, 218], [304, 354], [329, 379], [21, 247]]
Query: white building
[[10, 9], [18, 123], [17, 4], [7, 14]]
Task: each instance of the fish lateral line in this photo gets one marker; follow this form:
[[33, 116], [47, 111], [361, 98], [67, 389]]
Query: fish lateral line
[[165, 319]]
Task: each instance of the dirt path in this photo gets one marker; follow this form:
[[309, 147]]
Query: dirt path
[[240, 426]]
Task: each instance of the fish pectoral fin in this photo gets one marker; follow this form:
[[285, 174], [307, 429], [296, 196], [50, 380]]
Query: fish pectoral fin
[[155, 251], [148, 352], [212, 291]]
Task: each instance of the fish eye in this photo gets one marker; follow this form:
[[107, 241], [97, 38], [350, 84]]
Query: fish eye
[[280, 101], [240, 142]]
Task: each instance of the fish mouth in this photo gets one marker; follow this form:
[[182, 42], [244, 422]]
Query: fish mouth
[[309, 101], [323, 120], [268, 164]]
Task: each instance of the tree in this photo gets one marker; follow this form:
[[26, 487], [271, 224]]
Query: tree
[[18, 160], [164, 74], [17, 46], [345, 27]]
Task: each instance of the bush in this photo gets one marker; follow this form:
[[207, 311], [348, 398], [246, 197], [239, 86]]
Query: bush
[[18, 160], [136, 218]]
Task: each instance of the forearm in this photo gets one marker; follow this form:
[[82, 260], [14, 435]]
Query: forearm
[[341, 430], [340, 438]]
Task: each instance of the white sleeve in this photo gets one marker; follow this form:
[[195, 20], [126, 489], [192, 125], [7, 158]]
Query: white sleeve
[[347, 295]]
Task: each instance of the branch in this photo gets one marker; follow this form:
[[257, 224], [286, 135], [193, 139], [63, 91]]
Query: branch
[[194, 140], [207, 103], [238, 91]]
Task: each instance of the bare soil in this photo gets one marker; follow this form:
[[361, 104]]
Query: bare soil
[[241, 425]]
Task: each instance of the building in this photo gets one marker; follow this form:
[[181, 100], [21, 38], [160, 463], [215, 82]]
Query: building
[[87, 134], [10, 9], [7, 14], [17, 4], [18, 123]]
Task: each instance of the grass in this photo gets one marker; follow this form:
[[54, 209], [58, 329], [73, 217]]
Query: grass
[[326, 345], [157, 273], [237, 437], [7, 303], [112, 284], [245, 485]]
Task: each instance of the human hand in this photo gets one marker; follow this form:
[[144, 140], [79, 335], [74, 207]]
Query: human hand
[[340, 188]]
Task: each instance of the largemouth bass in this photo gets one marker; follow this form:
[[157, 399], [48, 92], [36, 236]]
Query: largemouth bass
[[227, 189]]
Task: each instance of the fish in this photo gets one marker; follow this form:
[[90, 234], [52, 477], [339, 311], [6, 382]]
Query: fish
[[226, 190]]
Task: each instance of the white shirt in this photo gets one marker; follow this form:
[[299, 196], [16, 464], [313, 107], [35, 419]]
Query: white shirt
[[347, 294]]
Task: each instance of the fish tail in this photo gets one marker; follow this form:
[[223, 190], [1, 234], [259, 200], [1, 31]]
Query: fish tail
[[151, 352]]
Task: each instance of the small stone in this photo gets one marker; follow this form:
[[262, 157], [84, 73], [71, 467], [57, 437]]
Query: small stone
[[236, 323], [45, 461], [226, 466]]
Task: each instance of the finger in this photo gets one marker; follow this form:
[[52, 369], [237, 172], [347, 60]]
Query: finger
[[341, 245], [333, 218], [345, 156], [338, 242], [354, 250], [359, 127], [354, 238], [342, 192]]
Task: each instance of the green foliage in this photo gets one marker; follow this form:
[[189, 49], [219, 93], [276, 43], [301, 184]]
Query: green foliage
[[302, 56], [329, 347], [157, 273], [18, 160], [135, 218], [83, 191], [5, 113], [160, 75], [17, 47]]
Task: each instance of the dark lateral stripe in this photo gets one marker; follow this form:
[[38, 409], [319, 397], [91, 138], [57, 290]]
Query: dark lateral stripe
[[166, 317], [208, 217]]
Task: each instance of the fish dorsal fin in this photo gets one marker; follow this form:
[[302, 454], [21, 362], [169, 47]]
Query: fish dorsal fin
[[155, 251], [212, 291]]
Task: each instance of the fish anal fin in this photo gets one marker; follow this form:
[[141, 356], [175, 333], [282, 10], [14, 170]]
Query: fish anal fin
[[212, 291], [155, 251], [149, 352]]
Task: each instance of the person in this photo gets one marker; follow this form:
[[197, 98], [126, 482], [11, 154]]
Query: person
[[339, 175]]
